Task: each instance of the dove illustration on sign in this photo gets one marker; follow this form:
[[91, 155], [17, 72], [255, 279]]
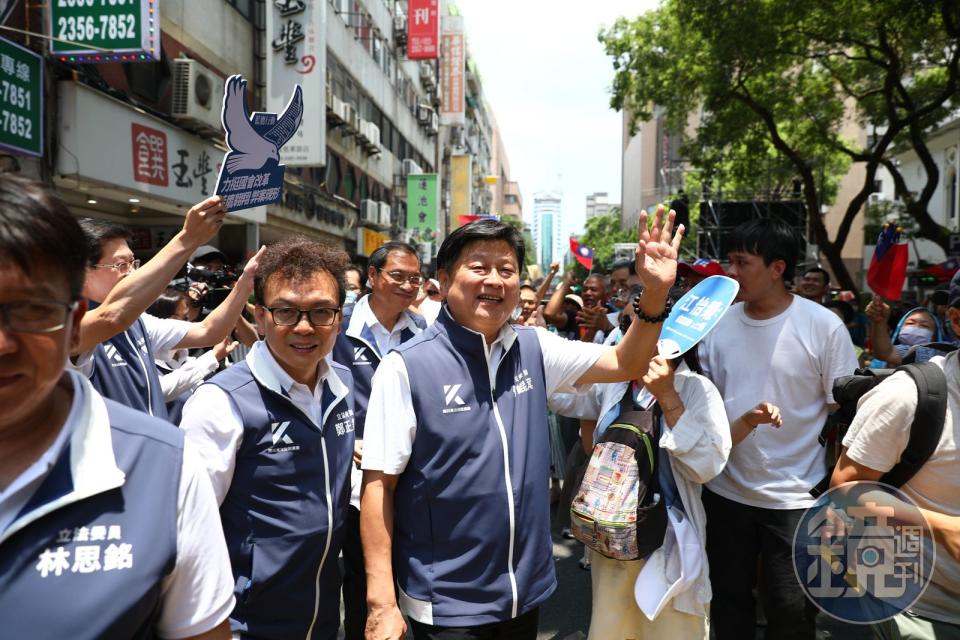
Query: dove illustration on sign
[[248, 148], [251, 174]]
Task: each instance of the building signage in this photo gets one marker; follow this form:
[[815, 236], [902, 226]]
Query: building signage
[[423, 29], [21, 99], [296, 30], [105, 142], [460, 186], [125, 29], [251, 174], [452, 98], [423, 191], [369, 240]]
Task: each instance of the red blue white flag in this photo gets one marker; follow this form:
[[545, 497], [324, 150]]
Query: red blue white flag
[[888, 268], [584, 255]]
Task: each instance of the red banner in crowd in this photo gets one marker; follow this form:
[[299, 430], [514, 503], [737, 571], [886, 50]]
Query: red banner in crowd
[[423, 30]]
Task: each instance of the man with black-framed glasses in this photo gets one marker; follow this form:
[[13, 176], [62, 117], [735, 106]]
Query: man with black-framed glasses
[[375, 325], [118, 339], [276, 434]]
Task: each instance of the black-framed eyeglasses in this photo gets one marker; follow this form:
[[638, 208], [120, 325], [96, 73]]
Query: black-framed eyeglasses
[[289, 316], [399, 277], [36, 316], [120, 267]]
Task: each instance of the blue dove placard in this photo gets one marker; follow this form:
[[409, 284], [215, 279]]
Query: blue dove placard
[[695, 314], [251, 174]]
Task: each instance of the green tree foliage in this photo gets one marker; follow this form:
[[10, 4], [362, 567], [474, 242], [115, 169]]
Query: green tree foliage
[[602, 232], [771, 85]]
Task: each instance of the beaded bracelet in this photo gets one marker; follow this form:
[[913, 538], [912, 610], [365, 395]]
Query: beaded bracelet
[[651, 319]]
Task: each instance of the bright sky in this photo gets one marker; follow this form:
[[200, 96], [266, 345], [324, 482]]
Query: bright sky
[[548, 81]]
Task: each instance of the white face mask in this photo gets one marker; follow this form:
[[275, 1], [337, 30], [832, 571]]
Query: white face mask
[[351, 297], [913, 335]]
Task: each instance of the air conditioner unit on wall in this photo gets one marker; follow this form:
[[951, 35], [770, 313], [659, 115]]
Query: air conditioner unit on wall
[[362, 131], [408, 167], [400, 30], [428, 77], [423, 113], [384, 214], [197, 94], [337, 109], [434, 124], [369, 212], [373, 135], [348, 114]]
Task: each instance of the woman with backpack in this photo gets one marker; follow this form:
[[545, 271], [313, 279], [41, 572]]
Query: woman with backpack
[[694, 438]]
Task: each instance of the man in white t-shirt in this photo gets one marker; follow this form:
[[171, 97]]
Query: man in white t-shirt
[[780, 348], [875, 442]]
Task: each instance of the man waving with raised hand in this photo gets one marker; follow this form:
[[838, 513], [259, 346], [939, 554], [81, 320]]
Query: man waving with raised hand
[[454, 509]]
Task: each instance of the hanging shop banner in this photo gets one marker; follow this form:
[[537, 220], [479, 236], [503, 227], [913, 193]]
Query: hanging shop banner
[[21, 99], [452, 97], [461, 170], [297, 55], [423, 196], [115, 30], [423, 29], [251, 174], [695, 314]]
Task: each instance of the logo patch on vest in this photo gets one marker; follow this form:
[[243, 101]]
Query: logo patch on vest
[[116, 360], [281, 439], [359, 356], [522, 382], [344, 423], [452, 399], [86, 558]]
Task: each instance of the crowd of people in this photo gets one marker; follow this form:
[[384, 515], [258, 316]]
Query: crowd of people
[[189, 451]]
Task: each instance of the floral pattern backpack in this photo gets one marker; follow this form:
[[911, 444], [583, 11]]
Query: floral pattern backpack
[[618, 510]]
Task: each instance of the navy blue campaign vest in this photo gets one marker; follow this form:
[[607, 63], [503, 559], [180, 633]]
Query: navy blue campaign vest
[[454, 520], [285, 512], [93, 568], [124, 371], [360, 355]]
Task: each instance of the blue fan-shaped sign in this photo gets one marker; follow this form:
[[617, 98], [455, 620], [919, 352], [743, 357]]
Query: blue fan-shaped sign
[[695, 314]]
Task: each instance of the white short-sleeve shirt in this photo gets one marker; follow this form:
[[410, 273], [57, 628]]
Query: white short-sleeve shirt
[[391, 424]]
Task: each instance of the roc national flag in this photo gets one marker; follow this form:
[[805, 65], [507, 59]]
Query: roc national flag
[[584, 255], [888, 268]]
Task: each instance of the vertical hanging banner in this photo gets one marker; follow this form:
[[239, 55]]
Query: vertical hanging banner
[[297, 57], [423, 196], [461, 170], [21, 99], [251, 174], [128, 29], [423, 30], [452, 61]]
